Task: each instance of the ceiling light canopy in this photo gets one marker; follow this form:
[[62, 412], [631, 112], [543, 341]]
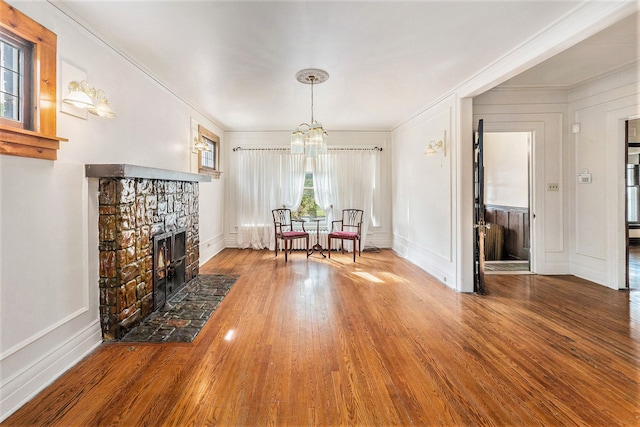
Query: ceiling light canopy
[[310, 138]]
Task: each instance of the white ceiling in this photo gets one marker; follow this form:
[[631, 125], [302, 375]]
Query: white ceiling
[[235, 61], [606, 51]]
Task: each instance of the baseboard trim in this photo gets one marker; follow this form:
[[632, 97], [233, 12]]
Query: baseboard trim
[[42, 372], [211, 248]]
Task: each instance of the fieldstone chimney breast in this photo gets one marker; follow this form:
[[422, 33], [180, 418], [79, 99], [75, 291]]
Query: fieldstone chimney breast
[[136, 204]]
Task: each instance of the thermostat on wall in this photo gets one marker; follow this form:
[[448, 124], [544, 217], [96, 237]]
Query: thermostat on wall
[[584, 178]]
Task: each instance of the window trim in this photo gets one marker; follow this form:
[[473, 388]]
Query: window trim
[[41, 142], [215, 171]]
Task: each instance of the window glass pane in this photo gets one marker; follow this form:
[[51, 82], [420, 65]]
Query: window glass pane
[[308, 206], [308, 180], [9, 107], [208, 157], [16, 73], [10, 82], [9, 56]]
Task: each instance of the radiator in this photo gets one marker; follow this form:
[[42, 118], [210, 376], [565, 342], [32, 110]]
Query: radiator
[[494, 242], [298, 244]]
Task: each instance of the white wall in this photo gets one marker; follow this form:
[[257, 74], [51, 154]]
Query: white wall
[[379, 235], [425, 202], [48, 223], [598, 227]]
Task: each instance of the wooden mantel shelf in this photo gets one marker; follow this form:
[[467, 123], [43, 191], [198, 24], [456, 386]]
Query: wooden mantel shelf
[[119, 170]]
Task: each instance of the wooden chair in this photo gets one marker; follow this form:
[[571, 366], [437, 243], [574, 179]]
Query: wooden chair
[[284, 231], [349, 229]]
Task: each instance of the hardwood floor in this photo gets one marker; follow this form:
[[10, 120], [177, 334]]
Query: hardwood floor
[[634, 267], [377, 342]]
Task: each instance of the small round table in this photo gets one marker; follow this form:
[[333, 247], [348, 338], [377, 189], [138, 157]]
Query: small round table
[[317, 246]]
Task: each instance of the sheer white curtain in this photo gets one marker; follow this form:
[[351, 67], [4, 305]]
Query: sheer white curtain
[[346, 179], [265, 180], [292, 170], [323, 171]]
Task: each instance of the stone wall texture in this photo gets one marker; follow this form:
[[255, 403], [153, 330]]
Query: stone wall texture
[[132, 211]]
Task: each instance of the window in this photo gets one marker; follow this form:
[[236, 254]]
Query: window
[[16, 62], [308, 206], [27, 92], [209, 159]]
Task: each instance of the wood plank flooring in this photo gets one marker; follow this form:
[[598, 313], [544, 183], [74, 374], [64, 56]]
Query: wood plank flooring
[[634, 267], [377, 342]]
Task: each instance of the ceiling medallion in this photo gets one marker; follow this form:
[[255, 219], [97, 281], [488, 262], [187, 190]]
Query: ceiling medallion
[[312, 75]]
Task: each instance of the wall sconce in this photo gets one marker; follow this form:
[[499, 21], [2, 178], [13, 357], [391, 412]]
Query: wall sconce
[[434, 147], [200, 145], [82, 95]]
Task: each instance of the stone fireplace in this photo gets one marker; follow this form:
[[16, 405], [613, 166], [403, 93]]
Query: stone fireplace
[[147, 228]]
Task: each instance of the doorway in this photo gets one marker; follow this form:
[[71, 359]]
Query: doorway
[[632, 191], [507, 195]]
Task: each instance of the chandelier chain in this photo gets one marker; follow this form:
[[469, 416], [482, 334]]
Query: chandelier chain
[[312, 78]]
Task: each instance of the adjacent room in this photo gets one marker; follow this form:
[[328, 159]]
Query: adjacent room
[[319, 213]]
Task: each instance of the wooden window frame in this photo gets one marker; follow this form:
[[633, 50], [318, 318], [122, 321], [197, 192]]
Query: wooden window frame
[[214, 171], [41, 141]]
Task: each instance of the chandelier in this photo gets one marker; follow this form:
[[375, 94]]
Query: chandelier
[[310, 138]]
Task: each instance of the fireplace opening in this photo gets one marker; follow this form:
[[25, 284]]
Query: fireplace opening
[[169, 265]]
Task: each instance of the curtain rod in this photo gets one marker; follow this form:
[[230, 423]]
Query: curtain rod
[[287, 149]]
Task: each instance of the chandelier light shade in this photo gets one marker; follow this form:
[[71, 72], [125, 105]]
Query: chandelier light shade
[[437, 146], [310, 138], [101, 106], [297, 142], [82, 95], [78, 96], [200, 145]]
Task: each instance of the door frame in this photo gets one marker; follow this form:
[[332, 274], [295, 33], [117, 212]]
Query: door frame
[[530, 140], [626, 204], [623, 239], [615, 160], [536, 181]]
